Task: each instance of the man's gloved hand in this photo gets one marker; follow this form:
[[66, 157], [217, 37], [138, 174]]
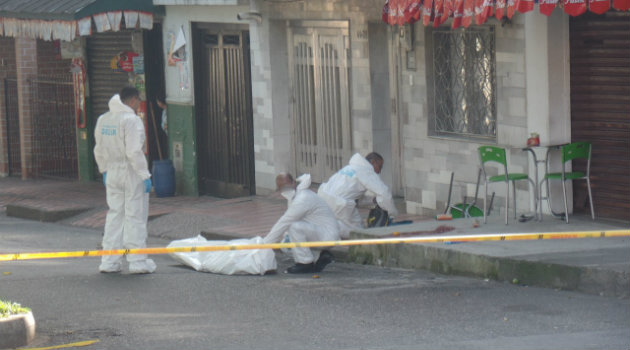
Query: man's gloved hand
[[147, 185], [105, 178]]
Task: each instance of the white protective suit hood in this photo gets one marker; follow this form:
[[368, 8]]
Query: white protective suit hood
[[304, 182], [116, 105]]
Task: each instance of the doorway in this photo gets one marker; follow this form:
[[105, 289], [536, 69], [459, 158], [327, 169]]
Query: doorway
[[223, 110], [320, 113]]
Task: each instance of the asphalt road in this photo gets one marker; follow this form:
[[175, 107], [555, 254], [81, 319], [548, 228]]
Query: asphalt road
[[347, 307]]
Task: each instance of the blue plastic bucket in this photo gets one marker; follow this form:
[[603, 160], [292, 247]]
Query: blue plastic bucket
[[163, 178]]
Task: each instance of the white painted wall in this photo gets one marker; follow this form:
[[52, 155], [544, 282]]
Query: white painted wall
[[183, 16], [533, 96], [548, 86], [272, 138]]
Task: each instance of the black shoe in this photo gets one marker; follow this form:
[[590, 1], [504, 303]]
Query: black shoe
[[301, 268], [325, 258]]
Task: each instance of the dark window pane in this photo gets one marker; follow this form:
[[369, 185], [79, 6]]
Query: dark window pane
[[464, 82], [231, 40]]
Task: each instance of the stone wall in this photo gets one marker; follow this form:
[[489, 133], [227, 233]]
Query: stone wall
[[429, 160], [272, 138]]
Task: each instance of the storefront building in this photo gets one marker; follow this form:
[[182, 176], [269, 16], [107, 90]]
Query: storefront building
[[63, 63]]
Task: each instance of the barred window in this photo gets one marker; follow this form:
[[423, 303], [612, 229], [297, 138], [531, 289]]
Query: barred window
[[461, 71]]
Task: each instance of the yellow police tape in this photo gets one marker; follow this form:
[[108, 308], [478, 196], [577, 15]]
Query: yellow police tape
[[71, 345], [378, 241]]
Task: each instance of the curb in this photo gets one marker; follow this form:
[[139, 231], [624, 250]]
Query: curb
[[17, 330], [522, 272], [33, 213]]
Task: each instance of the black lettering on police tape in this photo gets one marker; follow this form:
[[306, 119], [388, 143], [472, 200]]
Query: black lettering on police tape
[[541, 236], [126, 252], [602, 234]]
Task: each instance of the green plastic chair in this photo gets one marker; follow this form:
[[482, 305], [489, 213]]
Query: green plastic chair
[[571, 151], [498, 155]]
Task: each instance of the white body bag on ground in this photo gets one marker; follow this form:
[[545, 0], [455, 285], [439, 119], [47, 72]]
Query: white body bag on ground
[[227, 262]]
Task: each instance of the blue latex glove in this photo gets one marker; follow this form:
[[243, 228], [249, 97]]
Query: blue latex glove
[[147, 185], [105, 178]]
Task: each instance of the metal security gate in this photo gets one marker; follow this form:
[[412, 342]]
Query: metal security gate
[[224, 111], [54, 130], [600, 109], [320, 113], [103, 81], [13, 126]]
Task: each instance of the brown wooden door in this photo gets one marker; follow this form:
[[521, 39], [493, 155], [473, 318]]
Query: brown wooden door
[[600, 109], [224, 111]]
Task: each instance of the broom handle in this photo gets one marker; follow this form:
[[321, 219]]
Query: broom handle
[[155, 130]]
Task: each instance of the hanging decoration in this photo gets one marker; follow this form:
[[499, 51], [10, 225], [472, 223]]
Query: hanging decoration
[[547, 6], [574, 7], [69, 30], [599, 6], [621, 5], [78, 78], [466, 12]]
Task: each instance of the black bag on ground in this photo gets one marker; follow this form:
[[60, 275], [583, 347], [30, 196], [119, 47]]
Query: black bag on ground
[[378, 217]]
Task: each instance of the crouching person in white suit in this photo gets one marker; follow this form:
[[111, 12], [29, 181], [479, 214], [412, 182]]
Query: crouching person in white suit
[[308, 218], [357, 180]]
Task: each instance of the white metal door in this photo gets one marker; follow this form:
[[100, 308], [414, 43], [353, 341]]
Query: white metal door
[[320, 114]]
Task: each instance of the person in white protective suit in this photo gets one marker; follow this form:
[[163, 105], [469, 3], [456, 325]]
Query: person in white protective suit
[[357, 181], [308, 218], [120, 158]]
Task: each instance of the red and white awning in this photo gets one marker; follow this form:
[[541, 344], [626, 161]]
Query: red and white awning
[[467, 12]]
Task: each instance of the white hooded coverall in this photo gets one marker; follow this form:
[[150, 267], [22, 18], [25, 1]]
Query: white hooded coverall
[[307, 219], [350, 184], [119, 137]]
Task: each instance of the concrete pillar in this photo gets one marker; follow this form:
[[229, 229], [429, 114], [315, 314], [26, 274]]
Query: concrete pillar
[[548, 88], [26, 62]]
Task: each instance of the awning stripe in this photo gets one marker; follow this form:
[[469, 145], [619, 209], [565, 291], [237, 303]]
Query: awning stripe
[[69, 30], [399, 12]]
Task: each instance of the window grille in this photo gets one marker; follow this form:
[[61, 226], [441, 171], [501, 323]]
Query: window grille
[[464, 82]]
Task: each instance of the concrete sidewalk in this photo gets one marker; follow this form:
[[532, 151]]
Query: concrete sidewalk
[[596, 266], [591, 265]]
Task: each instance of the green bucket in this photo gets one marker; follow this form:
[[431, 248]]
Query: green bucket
[[473, 211]]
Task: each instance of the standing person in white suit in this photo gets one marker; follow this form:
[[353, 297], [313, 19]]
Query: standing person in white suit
[[308, 218], [120, 158], [352, 183]]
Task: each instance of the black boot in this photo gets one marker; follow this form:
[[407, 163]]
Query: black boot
[[301, 268], [325, 258]]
